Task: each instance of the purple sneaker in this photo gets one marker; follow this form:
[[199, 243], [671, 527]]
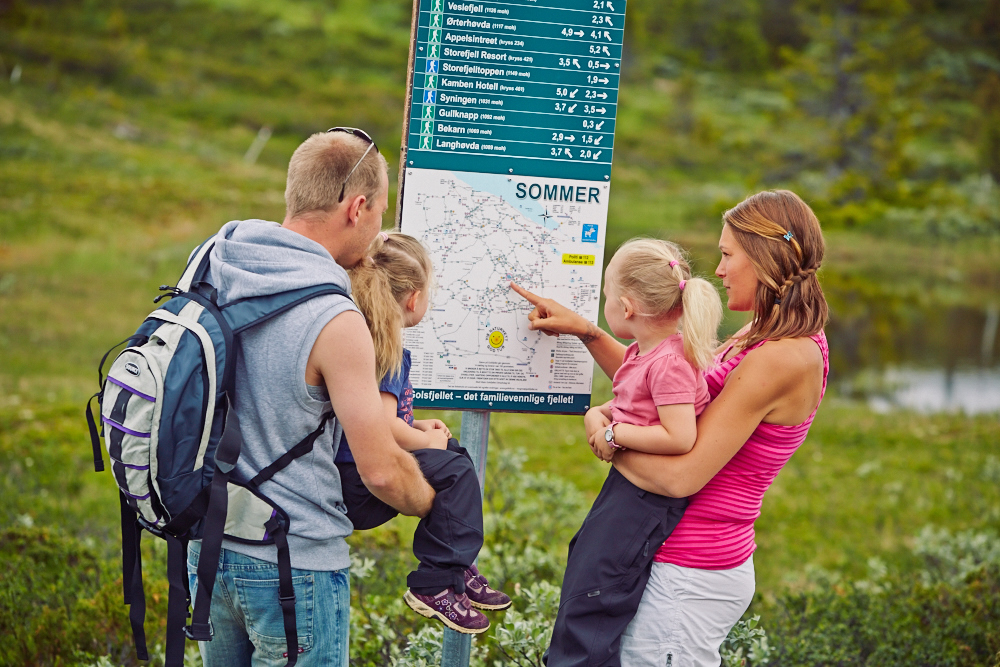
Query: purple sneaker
[[452, 609], [480, 594]]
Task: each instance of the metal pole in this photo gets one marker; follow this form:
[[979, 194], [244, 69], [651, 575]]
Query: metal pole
[[456, 648]]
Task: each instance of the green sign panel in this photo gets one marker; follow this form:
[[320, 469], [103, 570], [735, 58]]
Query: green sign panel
[[521, 87]]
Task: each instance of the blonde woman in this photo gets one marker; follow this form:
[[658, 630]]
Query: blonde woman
[[765, 388], [392, 289], [659, 391]]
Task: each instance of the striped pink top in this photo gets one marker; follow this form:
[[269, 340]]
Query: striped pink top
[[716, 531]]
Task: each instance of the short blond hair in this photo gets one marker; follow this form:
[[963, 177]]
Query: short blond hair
[[657, 276], [319, 166]]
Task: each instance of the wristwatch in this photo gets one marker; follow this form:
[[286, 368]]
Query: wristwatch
[[609, 436]]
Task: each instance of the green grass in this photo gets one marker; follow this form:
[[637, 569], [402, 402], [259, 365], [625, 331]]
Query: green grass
[[862, 485], [122, 146]]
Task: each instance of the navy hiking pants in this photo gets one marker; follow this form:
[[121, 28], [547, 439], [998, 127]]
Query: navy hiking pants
[[446, 541], [610, 559]]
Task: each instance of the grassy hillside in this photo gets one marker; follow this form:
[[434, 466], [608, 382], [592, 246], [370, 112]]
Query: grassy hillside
[[123, 130]]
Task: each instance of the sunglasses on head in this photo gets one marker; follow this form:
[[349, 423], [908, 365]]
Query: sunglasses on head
[[360, 134]]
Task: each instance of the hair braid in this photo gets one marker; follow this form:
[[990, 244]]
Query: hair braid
[[783, 240]]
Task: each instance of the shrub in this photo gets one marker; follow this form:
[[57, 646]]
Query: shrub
[[902, 621], [59, 604]]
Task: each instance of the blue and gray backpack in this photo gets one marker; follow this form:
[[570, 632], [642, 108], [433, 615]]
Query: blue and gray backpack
[[173, 440]]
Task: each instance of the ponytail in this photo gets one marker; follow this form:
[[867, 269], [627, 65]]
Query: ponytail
[[373, 294], [702, 315], [397, 266], [657, 275]]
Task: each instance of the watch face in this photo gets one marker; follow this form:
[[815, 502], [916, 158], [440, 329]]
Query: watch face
[[609, 434]]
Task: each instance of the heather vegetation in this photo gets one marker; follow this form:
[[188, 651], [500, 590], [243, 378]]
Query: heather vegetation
[[124, 135]]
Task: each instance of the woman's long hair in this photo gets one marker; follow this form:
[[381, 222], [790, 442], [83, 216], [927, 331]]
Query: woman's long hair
[[657, 276], [783, 240], [397, 265]]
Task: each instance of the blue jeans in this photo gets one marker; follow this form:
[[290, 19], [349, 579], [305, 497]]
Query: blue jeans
[[246, 616]]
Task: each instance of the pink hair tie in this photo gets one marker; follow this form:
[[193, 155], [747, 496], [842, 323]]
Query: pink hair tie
[[681, 285], [385, 237], [673, 263]]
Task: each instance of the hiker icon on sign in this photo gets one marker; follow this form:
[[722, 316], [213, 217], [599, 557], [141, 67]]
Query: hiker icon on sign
[[432, 66], [436, 5], [427, 127], [434, 51], [428, 111], [430, 96], [425, 143], [435, 36], [435, 20], [431, 81]]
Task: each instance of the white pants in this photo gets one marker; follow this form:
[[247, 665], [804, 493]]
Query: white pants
[[685, 614]]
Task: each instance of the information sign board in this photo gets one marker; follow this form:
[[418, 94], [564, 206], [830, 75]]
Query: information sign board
[[506, 176]]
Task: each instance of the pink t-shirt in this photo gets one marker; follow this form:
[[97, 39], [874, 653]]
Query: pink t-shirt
[[662, 376]]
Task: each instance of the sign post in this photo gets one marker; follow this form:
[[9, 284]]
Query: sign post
[[455, 646], [505, 176]]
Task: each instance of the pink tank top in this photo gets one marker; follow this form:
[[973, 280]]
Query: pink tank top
[[716, 531]]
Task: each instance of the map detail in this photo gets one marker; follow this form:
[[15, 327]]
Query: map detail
[[473, 349]]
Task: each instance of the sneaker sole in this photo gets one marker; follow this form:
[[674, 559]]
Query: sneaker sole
[[491, 607], [427, 612]]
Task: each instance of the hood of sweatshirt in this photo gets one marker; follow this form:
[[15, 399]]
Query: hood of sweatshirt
[[257, 258]]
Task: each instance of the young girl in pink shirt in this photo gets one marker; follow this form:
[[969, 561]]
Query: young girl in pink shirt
[[659, 391]]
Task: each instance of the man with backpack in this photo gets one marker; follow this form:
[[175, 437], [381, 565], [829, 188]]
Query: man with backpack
[[289, 371]]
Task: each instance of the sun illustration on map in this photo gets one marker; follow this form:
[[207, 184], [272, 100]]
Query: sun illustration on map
[[496, 338]]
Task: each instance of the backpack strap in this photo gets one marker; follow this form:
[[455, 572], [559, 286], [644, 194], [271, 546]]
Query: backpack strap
[[243, 314], [197, 266], [178, 600], [286, 589], [301, 449], [132, 589], [226, 455]]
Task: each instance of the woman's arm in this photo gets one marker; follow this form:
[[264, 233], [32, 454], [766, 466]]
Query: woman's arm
[[767, 380], [553, 318], [675, 434]]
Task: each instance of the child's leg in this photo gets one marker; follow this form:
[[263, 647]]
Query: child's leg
[[608, 567], [363, 509], [447, 541]]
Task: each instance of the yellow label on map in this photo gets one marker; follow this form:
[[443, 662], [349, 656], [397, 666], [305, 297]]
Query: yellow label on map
[[585, 260]]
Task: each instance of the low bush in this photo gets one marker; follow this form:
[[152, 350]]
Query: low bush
[[902, 621], [945, 611], [60, 605], [60, 600]]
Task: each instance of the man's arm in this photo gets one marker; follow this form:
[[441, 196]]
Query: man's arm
[[344, 359]]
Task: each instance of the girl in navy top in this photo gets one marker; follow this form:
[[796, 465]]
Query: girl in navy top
[[392, 289]]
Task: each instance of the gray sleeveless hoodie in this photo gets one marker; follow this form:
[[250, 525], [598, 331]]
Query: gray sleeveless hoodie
[[275, 407]]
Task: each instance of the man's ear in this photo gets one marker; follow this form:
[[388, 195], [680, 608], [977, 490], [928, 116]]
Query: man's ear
[[354, 209]]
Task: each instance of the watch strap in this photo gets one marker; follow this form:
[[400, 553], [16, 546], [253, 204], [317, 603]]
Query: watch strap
[[611, 442]]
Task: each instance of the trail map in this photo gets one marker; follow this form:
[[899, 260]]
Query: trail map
[[474, 349]]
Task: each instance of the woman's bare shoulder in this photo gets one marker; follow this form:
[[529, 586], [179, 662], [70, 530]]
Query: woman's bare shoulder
[[787, 357]]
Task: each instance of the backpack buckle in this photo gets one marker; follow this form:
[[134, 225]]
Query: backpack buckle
[[199, 632], [155, 530]]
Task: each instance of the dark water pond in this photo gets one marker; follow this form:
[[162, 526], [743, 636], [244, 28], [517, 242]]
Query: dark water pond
[[904, 353]]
